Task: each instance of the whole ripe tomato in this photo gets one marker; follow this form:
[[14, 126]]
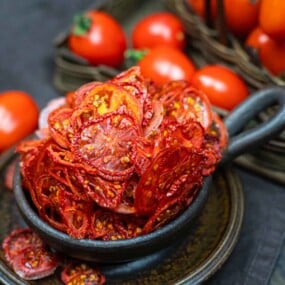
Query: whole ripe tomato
[[224, 88], [19, 117], [99, 38], [271, 53], [161, 28], [198, 6], [272, 18], [164, 63], [241, 15]]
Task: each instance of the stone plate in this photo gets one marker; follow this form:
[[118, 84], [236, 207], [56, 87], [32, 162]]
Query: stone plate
[[191, 260]]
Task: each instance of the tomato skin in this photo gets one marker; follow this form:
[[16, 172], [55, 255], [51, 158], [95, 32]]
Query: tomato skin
[[102, 42], [224, 88], [163, 64], [271, 52], [272, 18], [19, 117], [157, 29]]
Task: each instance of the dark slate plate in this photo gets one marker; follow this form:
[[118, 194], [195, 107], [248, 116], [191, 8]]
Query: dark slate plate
[[190, 260]]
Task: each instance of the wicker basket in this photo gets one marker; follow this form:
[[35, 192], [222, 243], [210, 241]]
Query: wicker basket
[[217, 45]]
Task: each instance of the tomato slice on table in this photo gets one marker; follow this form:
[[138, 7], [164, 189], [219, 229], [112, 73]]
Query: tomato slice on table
[[28, 255], [82, 273]]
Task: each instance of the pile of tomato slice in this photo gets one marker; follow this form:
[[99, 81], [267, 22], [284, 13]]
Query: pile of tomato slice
[[121, 158]]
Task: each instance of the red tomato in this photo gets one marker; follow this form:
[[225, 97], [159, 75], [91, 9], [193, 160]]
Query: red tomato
[[163, 64], [19, 117], [271, 52], [241, 16], [198, 6], [98, 38], [272, 18], [224, 88], [157, 29]]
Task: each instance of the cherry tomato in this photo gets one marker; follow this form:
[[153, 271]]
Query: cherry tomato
[[239, 25], [163, 64], [19, 117], [198, 6], [157, 29], [272, 18], [224, 88], [98, 38], [241, 16], [271, 53]]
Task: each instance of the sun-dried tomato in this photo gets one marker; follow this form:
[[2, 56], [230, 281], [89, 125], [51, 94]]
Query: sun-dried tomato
[[18, 240], [82, 273], [105, 193], [59, 126], [106, 144], [184, 102], [35, 263], [107, 98], [28, 255], [170, 207], [165, 169]]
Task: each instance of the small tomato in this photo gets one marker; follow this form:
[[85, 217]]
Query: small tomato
[[271, 53], [272, 18], [224, 88], [163, 64], [161, 28], [19, 117], [99, 38]]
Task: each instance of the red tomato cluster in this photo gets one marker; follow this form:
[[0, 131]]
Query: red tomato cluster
[[260, 23], [122, 158], [19, 117]]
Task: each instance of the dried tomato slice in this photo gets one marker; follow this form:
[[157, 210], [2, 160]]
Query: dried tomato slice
[[81, 93], [60, 126], [82, 273], [218, 129], [102, 222], [35, 263], [106, 144], [134, 83], [107, 98], [184, 102], [189, 134], [165, 169], [170, 207], [18, 240], [105, 193]]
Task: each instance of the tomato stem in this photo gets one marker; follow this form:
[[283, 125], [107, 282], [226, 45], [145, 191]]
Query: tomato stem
[[135, 54], [82, 24]]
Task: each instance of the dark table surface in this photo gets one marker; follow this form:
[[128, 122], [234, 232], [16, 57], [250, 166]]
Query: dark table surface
[[27, 29]]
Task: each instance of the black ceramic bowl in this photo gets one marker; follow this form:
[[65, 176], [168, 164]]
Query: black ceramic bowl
[[129, 249]]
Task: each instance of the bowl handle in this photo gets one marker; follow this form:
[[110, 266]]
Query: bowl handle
[[240, 140]]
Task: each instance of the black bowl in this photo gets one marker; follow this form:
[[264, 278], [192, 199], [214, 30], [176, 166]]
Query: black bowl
[[124, 250]]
